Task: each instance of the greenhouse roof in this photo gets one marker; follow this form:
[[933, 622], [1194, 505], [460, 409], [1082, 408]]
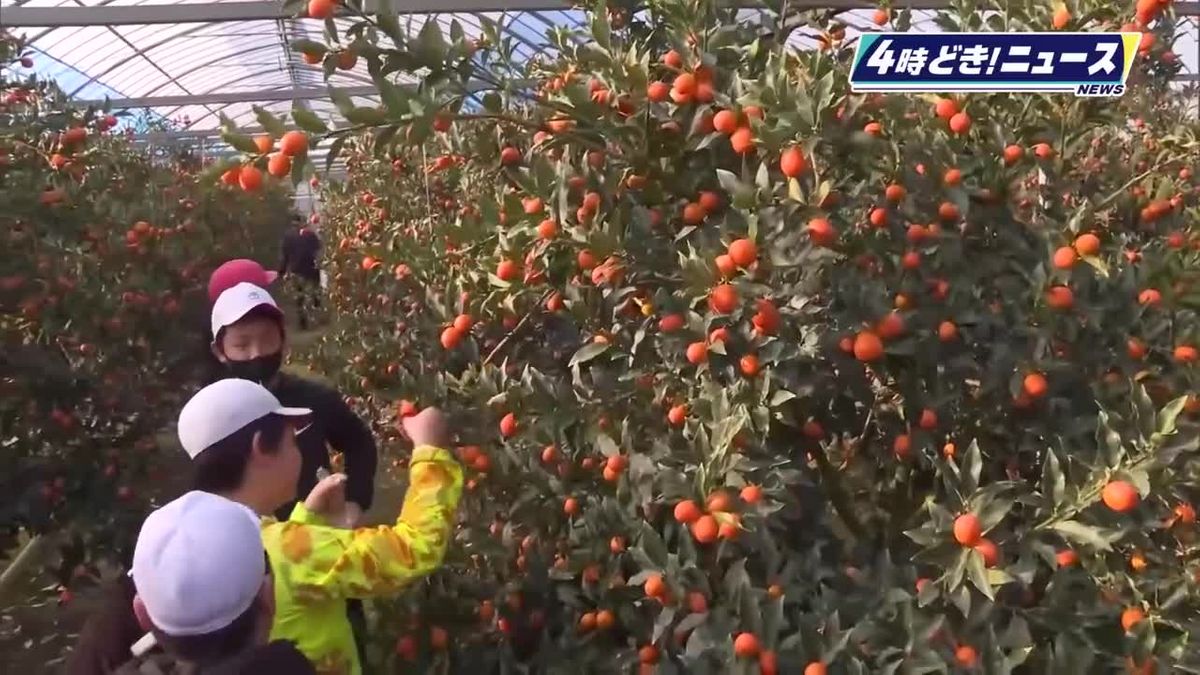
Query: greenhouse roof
[[192, 61]]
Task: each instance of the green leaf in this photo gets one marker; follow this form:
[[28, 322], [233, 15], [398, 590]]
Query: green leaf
[[601, 31], [1054, 483], [300, 167], [392, 96], [653, 545], [607, 446], [1087, 535], [341, 101], [954, 575], [310, 47], [430, 47], [780, 397], [1147, 415], [993, 511], [271, 123], [308, 120], [972, 465], [1169, 414], [1109, 441], [978, 574], [365, 116], [588, 352], [239, 142], [334, 149], [390, 24]]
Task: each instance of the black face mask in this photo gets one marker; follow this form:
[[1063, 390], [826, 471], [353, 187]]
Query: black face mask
[[260, 369]]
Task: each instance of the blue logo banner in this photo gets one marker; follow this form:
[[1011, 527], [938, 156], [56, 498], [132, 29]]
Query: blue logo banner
[[1088, 64]]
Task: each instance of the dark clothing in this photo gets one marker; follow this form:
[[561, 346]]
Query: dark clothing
[[280, 657], [333, 424], [103, 644], [310, 296], [300, 249]]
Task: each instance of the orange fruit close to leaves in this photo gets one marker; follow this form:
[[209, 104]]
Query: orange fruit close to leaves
[[264, 143], [677, 415], [726, 122], [250, 178], [746, 646], [742, 141], [792, 162], [960, 123], [697, 353], [1120, 496], [1035, 385], [279, 165], [1131, 617], [654, 586], [705, 529], [510, 156], [687, 511], [967, 529], [321, 9], [1087, 244], [867, 347], [1065, 258], [294, 143], [724, 299], [815, 668], [945, 108], [822, 232], [508, 425], [743, 252]]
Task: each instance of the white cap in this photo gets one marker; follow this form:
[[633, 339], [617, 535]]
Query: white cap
[[225, 407], [198, 564], [236, 302]]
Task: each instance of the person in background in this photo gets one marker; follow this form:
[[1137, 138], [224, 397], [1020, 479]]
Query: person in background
[[205, 593], [300, 249]]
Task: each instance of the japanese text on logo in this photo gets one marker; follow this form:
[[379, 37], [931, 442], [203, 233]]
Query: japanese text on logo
[[1088, 64]]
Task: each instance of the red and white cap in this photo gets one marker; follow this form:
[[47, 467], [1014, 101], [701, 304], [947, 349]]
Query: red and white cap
[[234, 272], [198, 564], [235, 303], [225, 407]]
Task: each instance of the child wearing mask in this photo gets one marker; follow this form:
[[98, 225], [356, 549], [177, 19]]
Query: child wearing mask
[[250, 341]]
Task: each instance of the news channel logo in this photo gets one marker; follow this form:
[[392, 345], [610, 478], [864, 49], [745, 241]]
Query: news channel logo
[[1086, 64]]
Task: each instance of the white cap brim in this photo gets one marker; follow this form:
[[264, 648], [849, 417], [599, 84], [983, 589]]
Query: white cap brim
[[292, 412], [235, 303]]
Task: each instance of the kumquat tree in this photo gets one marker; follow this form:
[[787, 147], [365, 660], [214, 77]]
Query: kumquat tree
[[106, 256], [754, 374]]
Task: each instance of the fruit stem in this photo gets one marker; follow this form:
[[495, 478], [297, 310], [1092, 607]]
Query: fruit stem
[[516, 329]]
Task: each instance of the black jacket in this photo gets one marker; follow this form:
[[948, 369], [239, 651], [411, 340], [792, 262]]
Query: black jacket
[[276, 658], [333, 425], [300, 249]]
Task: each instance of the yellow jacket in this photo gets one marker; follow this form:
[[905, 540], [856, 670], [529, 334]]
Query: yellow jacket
[[317, 567]]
